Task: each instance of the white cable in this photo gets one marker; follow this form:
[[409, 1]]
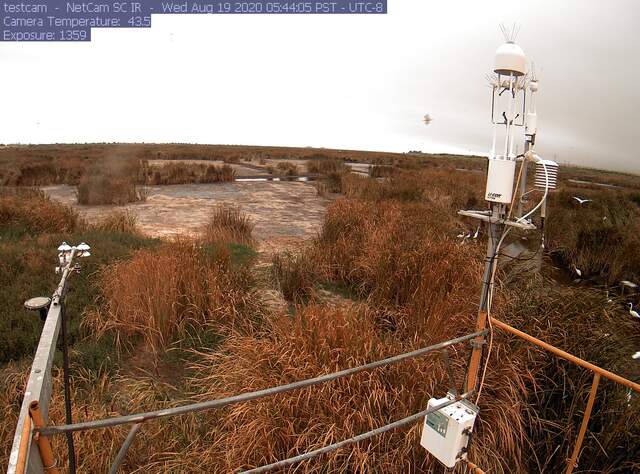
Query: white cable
[[494, 265], [544, 197]]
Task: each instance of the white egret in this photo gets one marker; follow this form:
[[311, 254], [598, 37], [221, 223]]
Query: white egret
[[580, 200], [633, 312], [577, 270], [636, 355]]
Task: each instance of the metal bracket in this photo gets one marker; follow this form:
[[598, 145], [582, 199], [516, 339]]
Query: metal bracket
[[477, 344], [487, 217]]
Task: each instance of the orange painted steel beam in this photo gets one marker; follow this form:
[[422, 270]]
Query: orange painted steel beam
[[573, 462], [570, 357], [474, 467], [25, 440], [44, 446], [476, 353]]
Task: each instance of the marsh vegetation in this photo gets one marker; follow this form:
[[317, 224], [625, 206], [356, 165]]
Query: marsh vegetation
[[160, 323]]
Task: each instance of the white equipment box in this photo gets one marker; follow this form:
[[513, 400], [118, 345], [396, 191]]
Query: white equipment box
[[446, 432]]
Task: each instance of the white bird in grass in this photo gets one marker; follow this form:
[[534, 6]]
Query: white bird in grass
[[633, 312], [580, 200], [636, 355], [475, 236], [577, 270]]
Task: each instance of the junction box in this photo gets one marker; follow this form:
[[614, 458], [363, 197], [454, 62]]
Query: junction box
[[446, 432]]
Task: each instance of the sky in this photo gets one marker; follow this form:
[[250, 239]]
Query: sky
[[337, 81]]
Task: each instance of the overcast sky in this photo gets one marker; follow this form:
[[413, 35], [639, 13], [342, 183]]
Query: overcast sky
[[357, 82]]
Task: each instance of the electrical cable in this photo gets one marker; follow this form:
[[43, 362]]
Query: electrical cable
[[494, 266], [493, 273], [544, 197]]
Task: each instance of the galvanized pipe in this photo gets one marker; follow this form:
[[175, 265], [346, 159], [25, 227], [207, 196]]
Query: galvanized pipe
[[245, 397], [39, 384], [355, 439], [124, 448]]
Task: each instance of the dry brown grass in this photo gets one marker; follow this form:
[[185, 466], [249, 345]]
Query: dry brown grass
[[159, 294], [123, 221], [185, 173], [227, 224], [284, 168], [326, 166], [582, 322], [111, 181], [321, 340], [27, 210], [295, 275], [601, 237]]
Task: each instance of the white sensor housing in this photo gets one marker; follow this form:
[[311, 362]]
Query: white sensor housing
[[510, 60], [552, 172], [446, 432], [500, 178], [531, 123]]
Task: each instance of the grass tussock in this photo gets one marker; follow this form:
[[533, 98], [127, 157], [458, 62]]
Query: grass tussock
[[186, 173], [111, 181], [228, 224], [321, 340], [122, 221], [295, 275], [284, 168], [159, 294], [28, 211]]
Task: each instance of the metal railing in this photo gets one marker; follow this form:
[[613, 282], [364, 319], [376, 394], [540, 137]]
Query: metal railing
[[24, 455], [572, 463], [31, 451], [32, 434]]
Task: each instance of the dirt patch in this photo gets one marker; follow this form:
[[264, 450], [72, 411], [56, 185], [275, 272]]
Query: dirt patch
[[284, 213]]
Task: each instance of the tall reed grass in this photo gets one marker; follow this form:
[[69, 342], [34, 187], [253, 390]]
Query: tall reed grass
[[159, 294], [228, 224]]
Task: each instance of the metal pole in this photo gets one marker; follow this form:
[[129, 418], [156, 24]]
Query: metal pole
[[573, 462], [245, 397], [481, 322], [361, 437], [44, 446], [570, 357], [21, 463], [523, 179], [124, 448], [67, 389]]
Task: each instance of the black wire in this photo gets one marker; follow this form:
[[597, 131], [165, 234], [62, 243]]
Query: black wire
[[67, 389]]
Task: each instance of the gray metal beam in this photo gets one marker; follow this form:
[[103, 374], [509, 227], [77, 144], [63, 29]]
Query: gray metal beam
[[39, 383]]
